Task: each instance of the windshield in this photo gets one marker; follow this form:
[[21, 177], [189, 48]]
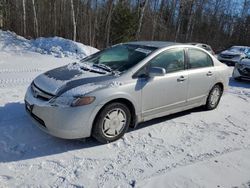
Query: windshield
[[247, 52], [119, 57], [237, 49]]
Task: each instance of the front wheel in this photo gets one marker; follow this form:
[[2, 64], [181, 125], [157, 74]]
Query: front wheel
[[111, 123], [213, 98]]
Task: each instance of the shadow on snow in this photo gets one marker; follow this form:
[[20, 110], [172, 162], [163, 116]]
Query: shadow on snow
[[242, 83], [20, 139]]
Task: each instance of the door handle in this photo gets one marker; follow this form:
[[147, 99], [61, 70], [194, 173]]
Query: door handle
[[181, 79], [209, 73]]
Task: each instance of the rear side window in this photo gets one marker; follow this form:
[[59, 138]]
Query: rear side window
[[198, 59], [170, 60]]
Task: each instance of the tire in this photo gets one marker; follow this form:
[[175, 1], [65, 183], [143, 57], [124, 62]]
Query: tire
[[111, 123], [214, 97]]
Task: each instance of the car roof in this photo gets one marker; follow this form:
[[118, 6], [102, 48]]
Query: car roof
[[197, 43], [156, 44], [240, 47]]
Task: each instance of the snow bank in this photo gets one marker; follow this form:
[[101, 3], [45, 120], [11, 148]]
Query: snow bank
[[10, 41], [61, 47], [56, 46]]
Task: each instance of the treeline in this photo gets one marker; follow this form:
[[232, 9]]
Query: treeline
[[101, 23]]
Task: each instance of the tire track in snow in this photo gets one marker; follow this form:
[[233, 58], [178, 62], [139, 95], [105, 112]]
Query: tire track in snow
[[242, 94], [4, 179], [15, 77], [28, 70], [183, 156], [12, 82]]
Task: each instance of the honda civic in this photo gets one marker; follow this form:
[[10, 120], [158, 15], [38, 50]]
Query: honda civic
[[116, 88]]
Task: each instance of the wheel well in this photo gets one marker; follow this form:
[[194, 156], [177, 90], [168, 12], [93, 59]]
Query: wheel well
[[221, 86], [130, 106]]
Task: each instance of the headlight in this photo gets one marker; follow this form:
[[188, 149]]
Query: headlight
[[239, 66], [66, 101], [80, 101]]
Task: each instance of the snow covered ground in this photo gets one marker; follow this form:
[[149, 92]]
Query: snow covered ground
[[195, 148]]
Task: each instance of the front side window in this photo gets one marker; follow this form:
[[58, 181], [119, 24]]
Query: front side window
[[198, 59], [120, 57], [171, 60]]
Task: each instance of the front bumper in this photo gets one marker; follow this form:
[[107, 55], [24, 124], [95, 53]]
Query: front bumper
[[229, 62], [245, 74], [62, 122]]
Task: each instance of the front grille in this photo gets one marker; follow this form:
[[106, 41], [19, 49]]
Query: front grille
[[227, 56], [39, 120], [39, 93], [29, 109], [245, 72]]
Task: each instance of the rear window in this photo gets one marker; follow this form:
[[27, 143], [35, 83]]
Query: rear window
[[198, 59]]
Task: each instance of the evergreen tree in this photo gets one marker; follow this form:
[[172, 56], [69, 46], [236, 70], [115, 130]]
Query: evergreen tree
[[123, 23]]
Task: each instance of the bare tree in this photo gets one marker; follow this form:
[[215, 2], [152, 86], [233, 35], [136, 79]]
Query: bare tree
[[180, 19], [55, 17], [73, 19], [89, 15], [24, 17], [107, 25], [190, 16], [142, 10], [95, 26], [35, 18], [154, 18]]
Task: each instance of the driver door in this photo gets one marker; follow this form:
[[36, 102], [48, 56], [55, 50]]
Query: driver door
[[162, 94]]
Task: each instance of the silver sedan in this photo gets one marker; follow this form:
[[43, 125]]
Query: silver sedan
[[105, 93], [242, 69]]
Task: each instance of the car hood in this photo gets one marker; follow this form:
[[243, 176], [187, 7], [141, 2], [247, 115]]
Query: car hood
[[62, 79], [229, 52]]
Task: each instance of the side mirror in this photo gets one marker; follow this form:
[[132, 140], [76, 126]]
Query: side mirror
[[156, 71]]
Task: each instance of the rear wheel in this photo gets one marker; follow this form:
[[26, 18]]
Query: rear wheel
[[213, 98], [111, 123]]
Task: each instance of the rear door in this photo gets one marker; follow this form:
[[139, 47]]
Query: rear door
[[201, 74]]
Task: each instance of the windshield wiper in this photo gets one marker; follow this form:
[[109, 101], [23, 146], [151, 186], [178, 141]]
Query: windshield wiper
[[89, 67], [103, 67], [106, 68]]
